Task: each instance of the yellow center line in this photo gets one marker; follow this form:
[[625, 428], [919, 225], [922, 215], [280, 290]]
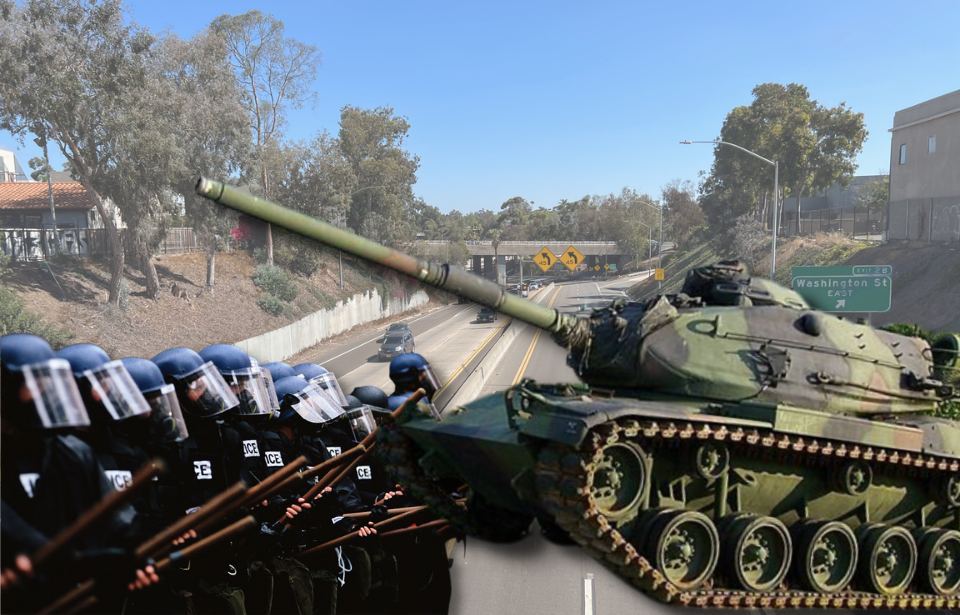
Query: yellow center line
[[533, 345], [479, 348]]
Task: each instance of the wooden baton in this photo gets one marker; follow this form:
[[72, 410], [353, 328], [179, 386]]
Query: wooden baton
[[98, 511]]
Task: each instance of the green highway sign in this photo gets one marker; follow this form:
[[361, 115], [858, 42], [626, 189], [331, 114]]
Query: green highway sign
[[857, 288]]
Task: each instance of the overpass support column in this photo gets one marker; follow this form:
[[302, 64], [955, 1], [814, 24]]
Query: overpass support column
[[591, 262], [477, 265], [488, 268]]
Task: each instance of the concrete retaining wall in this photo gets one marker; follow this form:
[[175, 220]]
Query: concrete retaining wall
[[287, 341]]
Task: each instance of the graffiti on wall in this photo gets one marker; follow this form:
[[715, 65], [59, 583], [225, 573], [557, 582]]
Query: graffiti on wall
[[946, 223]]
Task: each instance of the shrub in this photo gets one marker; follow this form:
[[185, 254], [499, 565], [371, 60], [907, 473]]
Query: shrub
[[14, 318], [270, 304], [305, 263], [260, 255], [275, 281]]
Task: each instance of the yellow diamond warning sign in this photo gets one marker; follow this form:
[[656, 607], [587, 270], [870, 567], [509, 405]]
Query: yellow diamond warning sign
[[596, 267], [571, 257], [544, 259], [607, 267], [658, 274]]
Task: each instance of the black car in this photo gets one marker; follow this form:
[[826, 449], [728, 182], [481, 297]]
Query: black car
[[396, 343], [398, 327], [486, 315]]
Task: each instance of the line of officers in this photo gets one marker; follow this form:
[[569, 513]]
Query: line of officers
[[77, 425]]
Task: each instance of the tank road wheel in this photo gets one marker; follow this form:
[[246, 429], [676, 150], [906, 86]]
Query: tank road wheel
[[618, 481], [938, 569], [826, 556], [756, 551], [684, 546], [888, 558]]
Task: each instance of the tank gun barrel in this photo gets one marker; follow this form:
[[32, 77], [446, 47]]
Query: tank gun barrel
[[444, 277]]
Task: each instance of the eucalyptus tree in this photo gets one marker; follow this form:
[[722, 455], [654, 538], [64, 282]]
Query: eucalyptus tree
[[273, 73], [74, 72]]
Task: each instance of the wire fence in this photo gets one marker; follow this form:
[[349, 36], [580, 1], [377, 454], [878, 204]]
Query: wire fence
[[862, 223], [32, 244]]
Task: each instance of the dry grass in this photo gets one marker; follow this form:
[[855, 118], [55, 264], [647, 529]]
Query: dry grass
[[77, 300]]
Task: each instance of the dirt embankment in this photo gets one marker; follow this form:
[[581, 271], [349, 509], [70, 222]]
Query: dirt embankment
[[926, 278], [74, 296]]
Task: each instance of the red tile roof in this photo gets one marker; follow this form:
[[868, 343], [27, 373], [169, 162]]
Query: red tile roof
[[34, 195]]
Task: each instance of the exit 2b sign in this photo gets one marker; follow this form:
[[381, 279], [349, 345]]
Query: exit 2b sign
[[859, 288]]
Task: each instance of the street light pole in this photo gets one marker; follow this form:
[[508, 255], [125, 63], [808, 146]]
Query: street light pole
[[660, 243], [776, 183], [649, 241]]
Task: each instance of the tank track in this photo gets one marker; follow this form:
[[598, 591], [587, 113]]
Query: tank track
[[564, 472], [399, 455]]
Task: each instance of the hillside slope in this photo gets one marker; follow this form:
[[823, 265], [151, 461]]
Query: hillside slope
[[74, 295], [926, 278]]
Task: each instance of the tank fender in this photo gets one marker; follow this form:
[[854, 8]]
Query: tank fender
[[568, 421]]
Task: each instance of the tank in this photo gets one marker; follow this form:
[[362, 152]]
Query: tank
[[728, 446]]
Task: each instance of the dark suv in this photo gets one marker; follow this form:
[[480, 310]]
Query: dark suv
[[396, 343], [486, 315]]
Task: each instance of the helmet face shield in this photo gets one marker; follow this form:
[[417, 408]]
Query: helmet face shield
[[251, 391], [271, 391], [313, 404], [429, 381], [328, 382], [112, 386], [53, 392], [166, 418], [204, 393], [361, 422]]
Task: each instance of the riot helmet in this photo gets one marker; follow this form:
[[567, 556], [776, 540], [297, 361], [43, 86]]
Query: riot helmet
[[108, 391], [278, 371], [200, 388], [37, 389], [360, 417], [306, 400], [166, 422], [371, 396], [244, 379], [411, 371], [325, 379]]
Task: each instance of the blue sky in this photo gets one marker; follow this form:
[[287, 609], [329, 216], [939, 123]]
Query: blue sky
[[553, 100]]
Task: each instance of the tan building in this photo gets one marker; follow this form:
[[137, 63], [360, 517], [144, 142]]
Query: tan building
[[925, 171]]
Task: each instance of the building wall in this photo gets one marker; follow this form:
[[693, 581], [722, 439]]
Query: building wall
[[24, 219], [925, 190]]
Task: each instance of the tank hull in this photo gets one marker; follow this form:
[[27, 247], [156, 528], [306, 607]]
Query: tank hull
[[610, 470]]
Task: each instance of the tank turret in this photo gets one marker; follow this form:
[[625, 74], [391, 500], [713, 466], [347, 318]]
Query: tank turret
[[726, 337]]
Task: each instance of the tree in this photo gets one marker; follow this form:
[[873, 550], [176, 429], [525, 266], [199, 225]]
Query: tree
[[814, 145], [41, 170], [682, 214], [371, 141], [273, 73], [213, 138], [874, 196], [73, 74]]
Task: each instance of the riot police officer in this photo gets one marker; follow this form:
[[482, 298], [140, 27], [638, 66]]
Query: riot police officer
[[410, 372], [112, 399], [205, 466]]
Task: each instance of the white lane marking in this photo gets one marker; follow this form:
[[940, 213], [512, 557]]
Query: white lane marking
[[598, 289], [442, 343], [589, 598], [381, 335]]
